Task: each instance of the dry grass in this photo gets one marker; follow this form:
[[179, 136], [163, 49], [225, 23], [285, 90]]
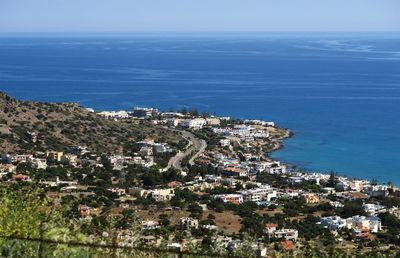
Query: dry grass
[[226, 221], [65, 124]]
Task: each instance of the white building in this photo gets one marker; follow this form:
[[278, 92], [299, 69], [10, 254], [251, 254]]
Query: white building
[[229, 198], [174, 122], [243, 130], [79, 150], [187, 222], [336, 204], [276, 170], [159, 147], [146, 143], [373, 209], [114, 114], [376, 190], [224, 142], [288, 234], [356, 185], [39, 163], [213, 121], [196, 123], [371, 223], [333, 222], [150, 224], [7, 168], [71, 159], [172, 114], [263, 193], [162, 194], [144, 112], [118, 191], [222, 131]]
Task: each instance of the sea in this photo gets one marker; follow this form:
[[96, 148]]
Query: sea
[[338, 92]]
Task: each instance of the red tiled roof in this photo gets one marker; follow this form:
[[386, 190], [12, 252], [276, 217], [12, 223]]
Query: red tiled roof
[[234, 170], [20, 176], [174, 183], [288, 245]]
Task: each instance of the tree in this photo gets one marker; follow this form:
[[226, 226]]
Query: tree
[[352, 208], [253, 225], [238, 186], [332, 180], [389, 220], [153, 177], [207, 242], [172, 174], [205, 115], [183, 110], [195, 208], [217, 205], [164, 221], [194, 112]]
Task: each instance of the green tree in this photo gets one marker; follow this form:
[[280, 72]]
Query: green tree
[[332, 180], [195, 208]]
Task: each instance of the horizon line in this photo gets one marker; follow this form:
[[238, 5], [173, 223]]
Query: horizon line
[[193, 33], [204, 31]]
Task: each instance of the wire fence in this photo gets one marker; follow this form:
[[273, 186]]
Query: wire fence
[[114, 247]]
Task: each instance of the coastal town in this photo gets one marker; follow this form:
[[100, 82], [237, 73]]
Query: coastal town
[[217, 190]]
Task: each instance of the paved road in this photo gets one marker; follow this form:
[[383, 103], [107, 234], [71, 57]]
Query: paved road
[[199, 147], [176, 161]]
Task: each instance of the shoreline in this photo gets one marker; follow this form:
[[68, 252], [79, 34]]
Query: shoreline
[[280, 146], [279, 143]]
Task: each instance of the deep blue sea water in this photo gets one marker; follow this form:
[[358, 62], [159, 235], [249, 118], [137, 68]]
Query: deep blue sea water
[[340, 94]]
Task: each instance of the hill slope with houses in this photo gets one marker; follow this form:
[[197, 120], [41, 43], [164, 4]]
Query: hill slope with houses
[[40, 126]]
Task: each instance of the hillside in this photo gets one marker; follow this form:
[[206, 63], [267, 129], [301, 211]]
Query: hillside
[[60, 126]]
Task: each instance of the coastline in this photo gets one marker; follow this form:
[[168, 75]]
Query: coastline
[[289, 134], [278, 145]]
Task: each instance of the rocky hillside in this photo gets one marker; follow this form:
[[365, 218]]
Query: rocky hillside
[[59, 126]]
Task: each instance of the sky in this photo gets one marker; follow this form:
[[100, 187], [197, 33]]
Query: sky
[[199, 16]]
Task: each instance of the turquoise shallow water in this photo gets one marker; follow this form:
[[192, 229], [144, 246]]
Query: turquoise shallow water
[[340, 94]]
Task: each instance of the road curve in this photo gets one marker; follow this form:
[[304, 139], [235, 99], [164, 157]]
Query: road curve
[[199, 145]]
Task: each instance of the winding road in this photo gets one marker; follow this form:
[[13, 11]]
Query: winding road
[[199, 146]]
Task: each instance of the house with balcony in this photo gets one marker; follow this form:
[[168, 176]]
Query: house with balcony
[[234, 172], [310, 198], [196, 123], [333, 222], [271, 232], [7, 168], [188, 222], [229, 198], [359, 222]]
